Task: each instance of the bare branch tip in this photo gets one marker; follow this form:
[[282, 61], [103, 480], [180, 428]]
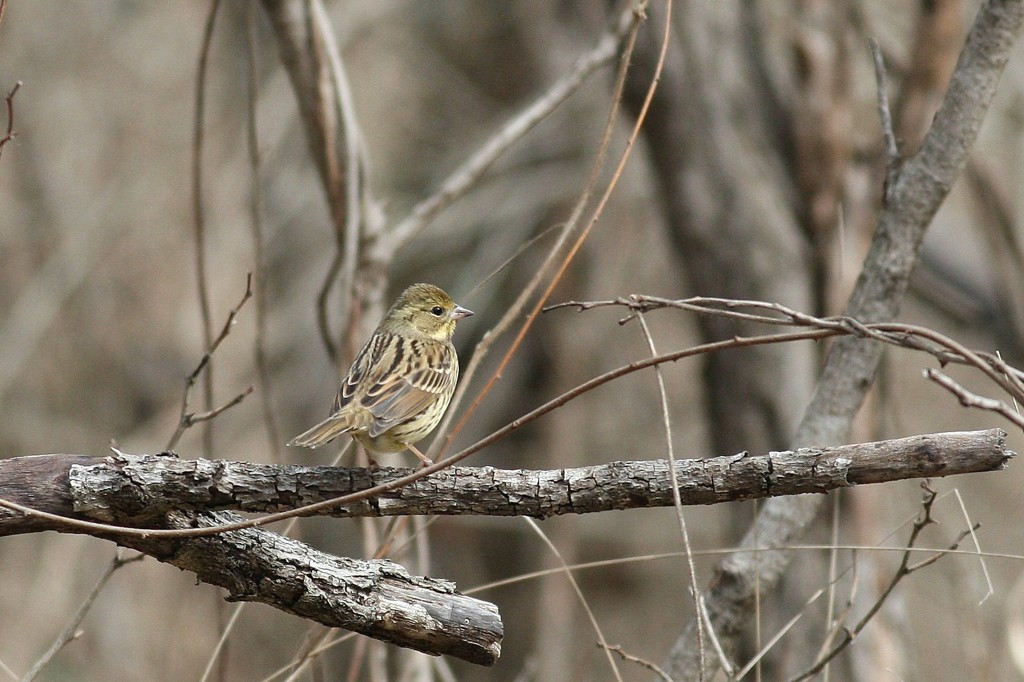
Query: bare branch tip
[[640, 10], [10, 135], [884, 112]]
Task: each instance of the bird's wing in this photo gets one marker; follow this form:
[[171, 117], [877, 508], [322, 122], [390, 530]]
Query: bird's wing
[[396, 378], [365, 370]]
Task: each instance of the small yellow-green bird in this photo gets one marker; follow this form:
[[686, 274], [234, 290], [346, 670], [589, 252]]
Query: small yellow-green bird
[[401, 382]]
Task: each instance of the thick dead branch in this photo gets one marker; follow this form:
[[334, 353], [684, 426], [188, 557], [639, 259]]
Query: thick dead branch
[[376, 598], [154, 485], [141, 490], [379, 599]]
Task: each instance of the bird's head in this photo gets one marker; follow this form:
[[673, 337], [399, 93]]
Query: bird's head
[[424, 310]]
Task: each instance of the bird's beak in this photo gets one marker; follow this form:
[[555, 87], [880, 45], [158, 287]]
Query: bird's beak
[[459, 312]]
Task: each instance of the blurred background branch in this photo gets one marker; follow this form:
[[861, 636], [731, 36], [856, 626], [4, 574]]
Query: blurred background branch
[[913, 194]]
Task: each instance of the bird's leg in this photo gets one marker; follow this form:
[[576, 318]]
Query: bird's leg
[[423, 458], [371, 463]]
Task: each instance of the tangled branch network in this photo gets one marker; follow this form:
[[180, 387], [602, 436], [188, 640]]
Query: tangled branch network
[[913, 337]]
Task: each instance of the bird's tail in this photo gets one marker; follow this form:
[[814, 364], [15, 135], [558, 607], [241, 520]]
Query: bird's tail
[[325, 431]]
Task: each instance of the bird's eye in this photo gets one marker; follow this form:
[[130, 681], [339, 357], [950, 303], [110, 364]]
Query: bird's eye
[[437, 311]]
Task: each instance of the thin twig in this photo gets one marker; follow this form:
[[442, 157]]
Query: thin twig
[[222, 641], [10, 103], [977, 546], [349, 216], [603, 52], [716, 644], [466, 176], [186, 418], [797, 617], [674, 478], [323, 322], [639, 661], [631, 19], [667, 556], [198, 217], [259, 274], [220, 650], [833, 569], [1009, 377], [969, 399], [71, 631], [905, 568], [996, 370], [356, 161], [520, 250], [196, 417], [314, 649], [914, 337], [313, 646], [892, 152], [602, 642]]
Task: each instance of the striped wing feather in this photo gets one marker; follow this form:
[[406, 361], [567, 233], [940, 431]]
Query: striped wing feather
[[396, 378]]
